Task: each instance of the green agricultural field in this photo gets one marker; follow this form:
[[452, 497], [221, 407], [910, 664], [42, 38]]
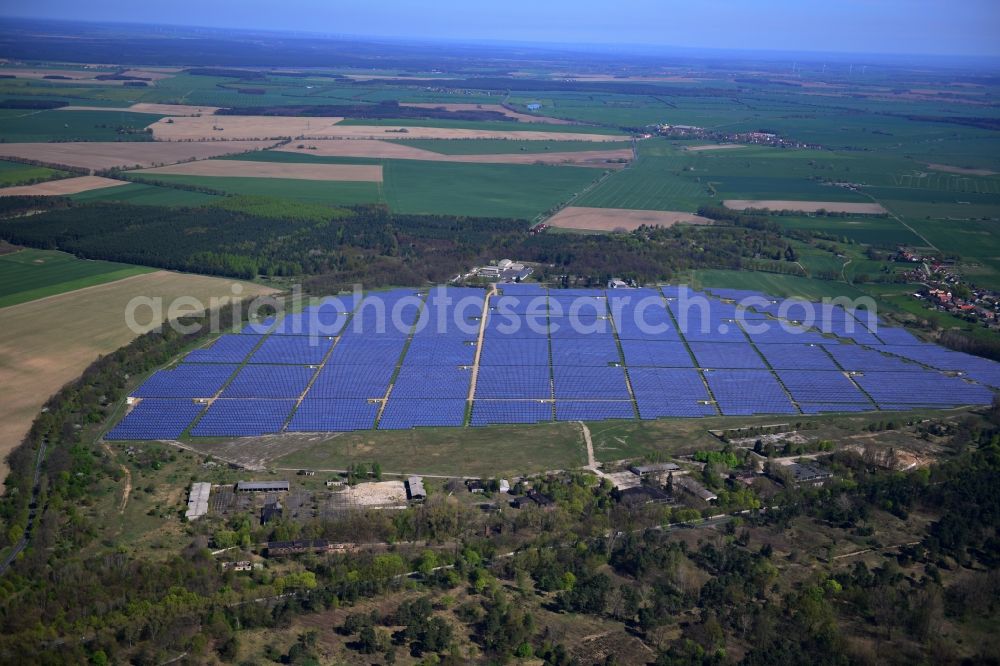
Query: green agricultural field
[[299, 157], [882, 232], [506, 147], [309, 191], [14, 173], [481, 190], [650, 183], [492, 125], [148, 195], [30, 274], [18, 125]]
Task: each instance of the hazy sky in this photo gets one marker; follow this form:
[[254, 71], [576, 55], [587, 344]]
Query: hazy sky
[[960, 27]]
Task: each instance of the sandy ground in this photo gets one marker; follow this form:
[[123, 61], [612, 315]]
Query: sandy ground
[[377, 493], [384, 149], [266, 127], [208, 128], [714, 146], [48, 342], [243, 169], [98, 155], [964, 171], [522, 117], [806, 206], [147, 107], [61, 187], [610, 219]]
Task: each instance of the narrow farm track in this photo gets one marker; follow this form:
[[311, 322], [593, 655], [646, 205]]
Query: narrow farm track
[[127, 490]]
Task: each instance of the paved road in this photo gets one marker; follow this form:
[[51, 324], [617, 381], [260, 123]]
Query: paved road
[[23, 541]]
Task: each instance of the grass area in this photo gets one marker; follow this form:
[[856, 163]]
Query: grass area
[[489, 190], [774, 284], [14, 173], [657, 440], [309, 191], [17, 125], [451, 451], [649, 184], [149, 195], [30, 274], [504, 147], [878, 231]]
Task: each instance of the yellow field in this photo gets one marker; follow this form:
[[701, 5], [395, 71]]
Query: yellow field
[[208, 128], [61, 187], [98, 155], [48, 342]]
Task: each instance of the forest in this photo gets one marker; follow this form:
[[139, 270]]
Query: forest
[[246, 238]]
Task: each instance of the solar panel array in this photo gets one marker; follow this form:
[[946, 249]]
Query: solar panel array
[[156, 419], [403, 359]]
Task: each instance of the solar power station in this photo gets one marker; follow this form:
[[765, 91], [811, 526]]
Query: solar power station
[[526, 354]]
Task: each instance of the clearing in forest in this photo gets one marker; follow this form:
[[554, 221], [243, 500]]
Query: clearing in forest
[[614, 219]]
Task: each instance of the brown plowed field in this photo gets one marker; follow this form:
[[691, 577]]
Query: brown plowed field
[[148, 107], [206, 128], [61, 187], [246, 169], [612, 219], [98, 155]]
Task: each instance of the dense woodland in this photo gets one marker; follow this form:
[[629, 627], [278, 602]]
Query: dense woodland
[[337, 247]]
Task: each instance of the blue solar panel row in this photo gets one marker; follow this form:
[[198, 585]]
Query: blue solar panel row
[[855, 358], [269, 381], [823, 386], [354, 349], [156, 419], [515, 375], [593, 410], [521, 304], [495, 412], [516, 326], [797, 357], [661, 392], [656, 353], [941, 358], [187, 380], [405, 413], [440, 350], [310, 323], [292, 350], [582, 383], [595, 351], [746, 392], [727, 355], [352, 381], [514, 382], [580, 327], [427, 381], [243, 418], [922, 388], [518, 351], [225, 349], [896, 336], [778, 332], [321, 415], [822, 408]]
